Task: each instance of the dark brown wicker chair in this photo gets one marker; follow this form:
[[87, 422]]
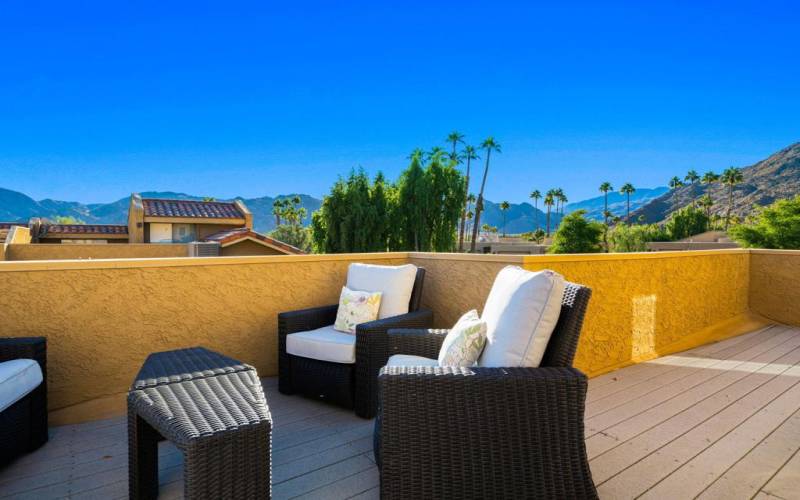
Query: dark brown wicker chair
[[485, 432], [23, 425], [350, 385]]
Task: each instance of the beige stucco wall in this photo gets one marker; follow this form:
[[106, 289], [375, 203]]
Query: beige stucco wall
[[775, 284], [102, 317], [58, 251], [643, 305]]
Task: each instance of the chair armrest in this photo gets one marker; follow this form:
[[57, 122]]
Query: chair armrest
[[372, 353], [483, 432], [425, 343], [306, 319]]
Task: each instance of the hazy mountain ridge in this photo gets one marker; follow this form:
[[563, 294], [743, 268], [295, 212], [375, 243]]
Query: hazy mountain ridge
[[16, 206], [776, 177], [520, 218]]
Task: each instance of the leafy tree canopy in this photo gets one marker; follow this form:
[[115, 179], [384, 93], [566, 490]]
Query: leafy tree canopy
[[577, 234], [775, 226], [687, 222]]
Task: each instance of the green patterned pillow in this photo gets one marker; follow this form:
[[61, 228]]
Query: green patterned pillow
[[464, 343], [355, 308]]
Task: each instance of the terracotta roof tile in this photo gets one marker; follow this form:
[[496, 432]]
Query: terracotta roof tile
[[110, 229], [190, 208], [228, 236]]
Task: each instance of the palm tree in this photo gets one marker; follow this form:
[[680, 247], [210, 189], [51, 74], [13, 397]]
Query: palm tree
[[731, 177], [535, 196], [418, 154], [489, 145], [435, 151], [692, 177], [675, 182], [707, 202], [549, 200], [563, 199], [454, 138], [469, 155], [558, 193], [504, 206], [605, 188], [710, 177], [628, 190]]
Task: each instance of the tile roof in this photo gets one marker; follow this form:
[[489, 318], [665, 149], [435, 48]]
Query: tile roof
[[7, 225], [228, 236], [109, 229], [190, 208]]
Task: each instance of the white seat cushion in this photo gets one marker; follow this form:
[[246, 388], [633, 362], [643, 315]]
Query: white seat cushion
[[521, 313], [407, 360], [323, 344], [18, 378], [395, 282]]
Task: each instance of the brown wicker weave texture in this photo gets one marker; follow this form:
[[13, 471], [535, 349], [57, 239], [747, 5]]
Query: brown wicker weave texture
[[485, 432], [216, 414]]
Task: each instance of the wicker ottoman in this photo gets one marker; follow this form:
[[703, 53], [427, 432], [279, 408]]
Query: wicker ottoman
[[214, 410]]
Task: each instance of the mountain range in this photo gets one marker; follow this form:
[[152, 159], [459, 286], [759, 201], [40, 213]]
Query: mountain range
[[774, 178], [522, 217]]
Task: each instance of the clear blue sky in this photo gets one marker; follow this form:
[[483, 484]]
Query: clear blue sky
[[104, 98]]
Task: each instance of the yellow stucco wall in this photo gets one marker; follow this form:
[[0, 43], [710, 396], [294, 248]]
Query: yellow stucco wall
[[58, 251], [643, 305], [102, 317], [775, 284]]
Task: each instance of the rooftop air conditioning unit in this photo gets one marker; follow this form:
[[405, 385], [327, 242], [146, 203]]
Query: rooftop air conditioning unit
[[203, 249]]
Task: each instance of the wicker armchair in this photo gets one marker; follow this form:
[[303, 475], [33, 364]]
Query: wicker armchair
[[23, 425], [446, 432], [353, 385]]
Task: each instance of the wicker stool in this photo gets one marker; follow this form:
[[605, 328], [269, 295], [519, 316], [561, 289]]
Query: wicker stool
[[214, 410]]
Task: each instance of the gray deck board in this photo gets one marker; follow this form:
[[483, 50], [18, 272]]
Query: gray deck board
[[718, 421]]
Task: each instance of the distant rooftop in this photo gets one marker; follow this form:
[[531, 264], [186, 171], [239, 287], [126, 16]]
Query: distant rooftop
[[229, 236], [189, 208], [108, 229]]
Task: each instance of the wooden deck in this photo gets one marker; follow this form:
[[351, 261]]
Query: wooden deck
[[719, 421]]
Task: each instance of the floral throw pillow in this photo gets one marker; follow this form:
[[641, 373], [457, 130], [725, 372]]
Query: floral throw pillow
[[464, 343], [355, 308]]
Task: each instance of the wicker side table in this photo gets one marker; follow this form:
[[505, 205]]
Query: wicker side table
[[221, 423]]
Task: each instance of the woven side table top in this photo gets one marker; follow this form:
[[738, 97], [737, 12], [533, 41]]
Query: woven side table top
[[185, 364]]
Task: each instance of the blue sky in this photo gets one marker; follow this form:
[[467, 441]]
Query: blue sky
[[101, 99]]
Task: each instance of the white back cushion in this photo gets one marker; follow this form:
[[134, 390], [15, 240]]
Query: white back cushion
[[395, 282], [521, 312]]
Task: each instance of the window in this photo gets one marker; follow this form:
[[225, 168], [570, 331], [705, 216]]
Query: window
[[183, 233]]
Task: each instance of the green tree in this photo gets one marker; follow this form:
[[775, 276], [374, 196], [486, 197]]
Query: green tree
[[776, 226], [577, 234], [454, 138], [297, 236], [692, 177], [549, 200], [686, 222], [504, 206], [675, 183], [628, 189], [468, 155], [706, 202], [710, 178], [731, 177], [487, 145], [67, 219], [536, 195], [605, 188], [624, 238]]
